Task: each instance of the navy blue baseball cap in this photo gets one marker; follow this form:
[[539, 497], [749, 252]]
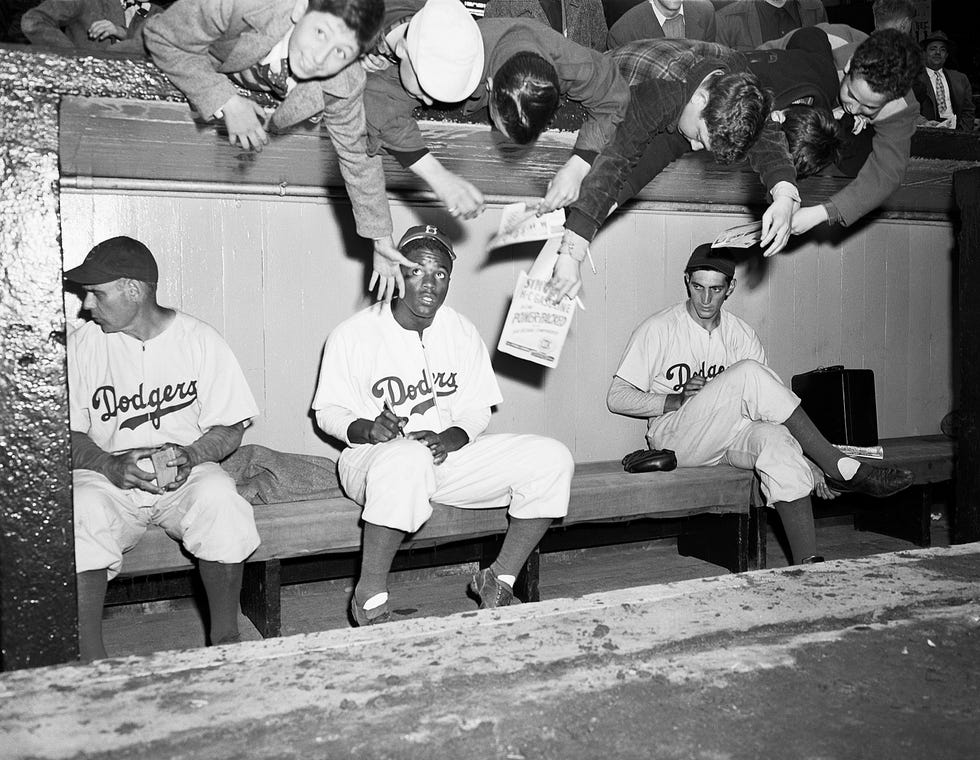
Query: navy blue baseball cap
[[114, 258], [431, 233], [706, 257]]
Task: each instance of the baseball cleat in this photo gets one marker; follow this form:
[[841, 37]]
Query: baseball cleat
[[362, 616], [874, 481], [490, 591]]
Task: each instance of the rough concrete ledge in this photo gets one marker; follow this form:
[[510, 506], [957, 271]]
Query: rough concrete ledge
[[343, 681]]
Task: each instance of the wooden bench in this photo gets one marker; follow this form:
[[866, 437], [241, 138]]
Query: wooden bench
[[601, 492]]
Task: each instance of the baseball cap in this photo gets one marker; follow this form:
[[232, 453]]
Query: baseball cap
[[446, 50], [718, 259], [428, 232], [114, 258]]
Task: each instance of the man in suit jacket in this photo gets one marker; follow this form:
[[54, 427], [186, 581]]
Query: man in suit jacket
[[581, 21], [945, 96], [646, 21], [89, 25], [746, 24], [300, 56]]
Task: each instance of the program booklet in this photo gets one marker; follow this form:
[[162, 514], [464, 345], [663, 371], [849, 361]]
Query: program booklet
[[535, 328]]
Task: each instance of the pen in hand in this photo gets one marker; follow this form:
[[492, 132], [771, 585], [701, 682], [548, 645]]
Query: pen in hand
[[392, 412]]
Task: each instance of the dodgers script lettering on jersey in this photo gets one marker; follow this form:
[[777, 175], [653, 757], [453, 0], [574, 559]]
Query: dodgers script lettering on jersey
[[682, 372], [399, 391], [111, 403]]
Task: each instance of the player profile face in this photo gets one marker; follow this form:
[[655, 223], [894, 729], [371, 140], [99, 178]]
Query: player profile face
[[321, 44], [110, 306], [426, 285], [857, 97], [707, 291]]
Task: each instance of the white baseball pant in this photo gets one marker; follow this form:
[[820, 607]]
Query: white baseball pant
[[735, 418], [206, 514], [395, 481]]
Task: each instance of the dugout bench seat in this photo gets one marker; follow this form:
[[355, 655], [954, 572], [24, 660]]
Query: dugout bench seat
[[734, 536]]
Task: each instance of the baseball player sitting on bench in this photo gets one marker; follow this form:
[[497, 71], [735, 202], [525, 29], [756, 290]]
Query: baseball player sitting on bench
[[142, 377], [699, 376], [409, 387]]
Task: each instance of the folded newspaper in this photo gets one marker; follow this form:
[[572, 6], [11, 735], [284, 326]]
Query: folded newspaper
[[741, 236], [868, 452]]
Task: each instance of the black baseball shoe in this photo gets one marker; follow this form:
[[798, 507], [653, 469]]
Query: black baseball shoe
[[874, 480], [376, 616], [490, 591]]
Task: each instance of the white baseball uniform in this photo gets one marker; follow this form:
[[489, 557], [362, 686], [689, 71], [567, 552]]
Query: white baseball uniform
[[735, 417], [125, 393], [439, 380]]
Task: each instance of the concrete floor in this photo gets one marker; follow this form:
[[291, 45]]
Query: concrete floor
[[868, 657]]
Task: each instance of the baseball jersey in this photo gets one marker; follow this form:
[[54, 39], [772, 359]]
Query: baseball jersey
[[126, 393], [669, 348], [436, 380]]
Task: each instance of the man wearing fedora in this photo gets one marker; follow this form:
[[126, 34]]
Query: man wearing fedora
[[698, 375], [146, 380], [945, 96], [409, 388]]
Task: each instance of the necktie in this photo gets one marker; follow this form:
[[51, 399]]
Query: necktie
[[142, 7], [674, 27], [940, 92]]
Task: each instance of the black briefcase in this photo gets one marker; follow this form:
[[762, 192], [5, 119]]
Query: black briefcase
[[841, 403]]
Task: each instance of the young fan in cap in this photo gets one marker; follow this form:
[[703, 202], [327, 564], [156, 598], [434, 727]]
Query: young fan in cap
[[525, 69], [142, 377], [428, 52], [698, 374], [409, 388], [299, 53]]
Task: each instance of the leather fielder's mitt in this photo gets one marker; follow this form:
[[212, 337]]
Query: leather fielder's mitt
[[650, 460]]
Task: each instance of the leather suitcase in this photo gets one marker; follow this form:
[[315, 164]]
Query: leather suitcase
[[841, 403]]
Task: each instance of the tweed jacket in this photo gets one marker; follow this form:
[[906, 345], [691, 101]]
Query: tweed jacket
[[960, 97], [739, 26], [198, 42], [583, 20], [64, 24], [640, 23]]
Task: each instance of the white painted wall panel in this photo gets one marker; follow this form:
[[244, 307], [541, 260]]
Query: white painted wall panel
[[274, 275]]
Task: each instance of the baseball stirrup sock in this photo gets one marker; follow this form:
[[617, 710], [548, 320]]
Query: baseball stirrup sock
[[797, 519], [819, 449]]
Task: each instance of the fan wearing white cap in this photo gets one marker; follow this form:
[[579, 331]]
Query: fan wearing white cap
[[429, 52]]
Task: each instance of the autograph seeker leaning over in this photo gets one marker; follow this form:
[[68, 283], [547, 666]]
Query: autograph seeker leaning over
[[699, 376], [298, 52], [409, 387], [141, 377]]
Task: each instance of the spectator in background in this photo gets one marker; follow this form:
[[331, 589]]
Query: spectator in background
[[686, 19], [746, 24], [581, 21], [945, 96], [91, 26]]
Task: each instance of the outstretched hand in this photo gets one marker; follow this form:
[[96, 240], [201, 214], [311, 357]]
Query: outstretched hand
[[387, 273]]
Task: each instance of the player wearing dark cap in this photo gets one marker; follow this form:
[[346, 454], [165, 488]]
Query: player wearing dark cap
[[409, 388], [698, 375], [142, 378]]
